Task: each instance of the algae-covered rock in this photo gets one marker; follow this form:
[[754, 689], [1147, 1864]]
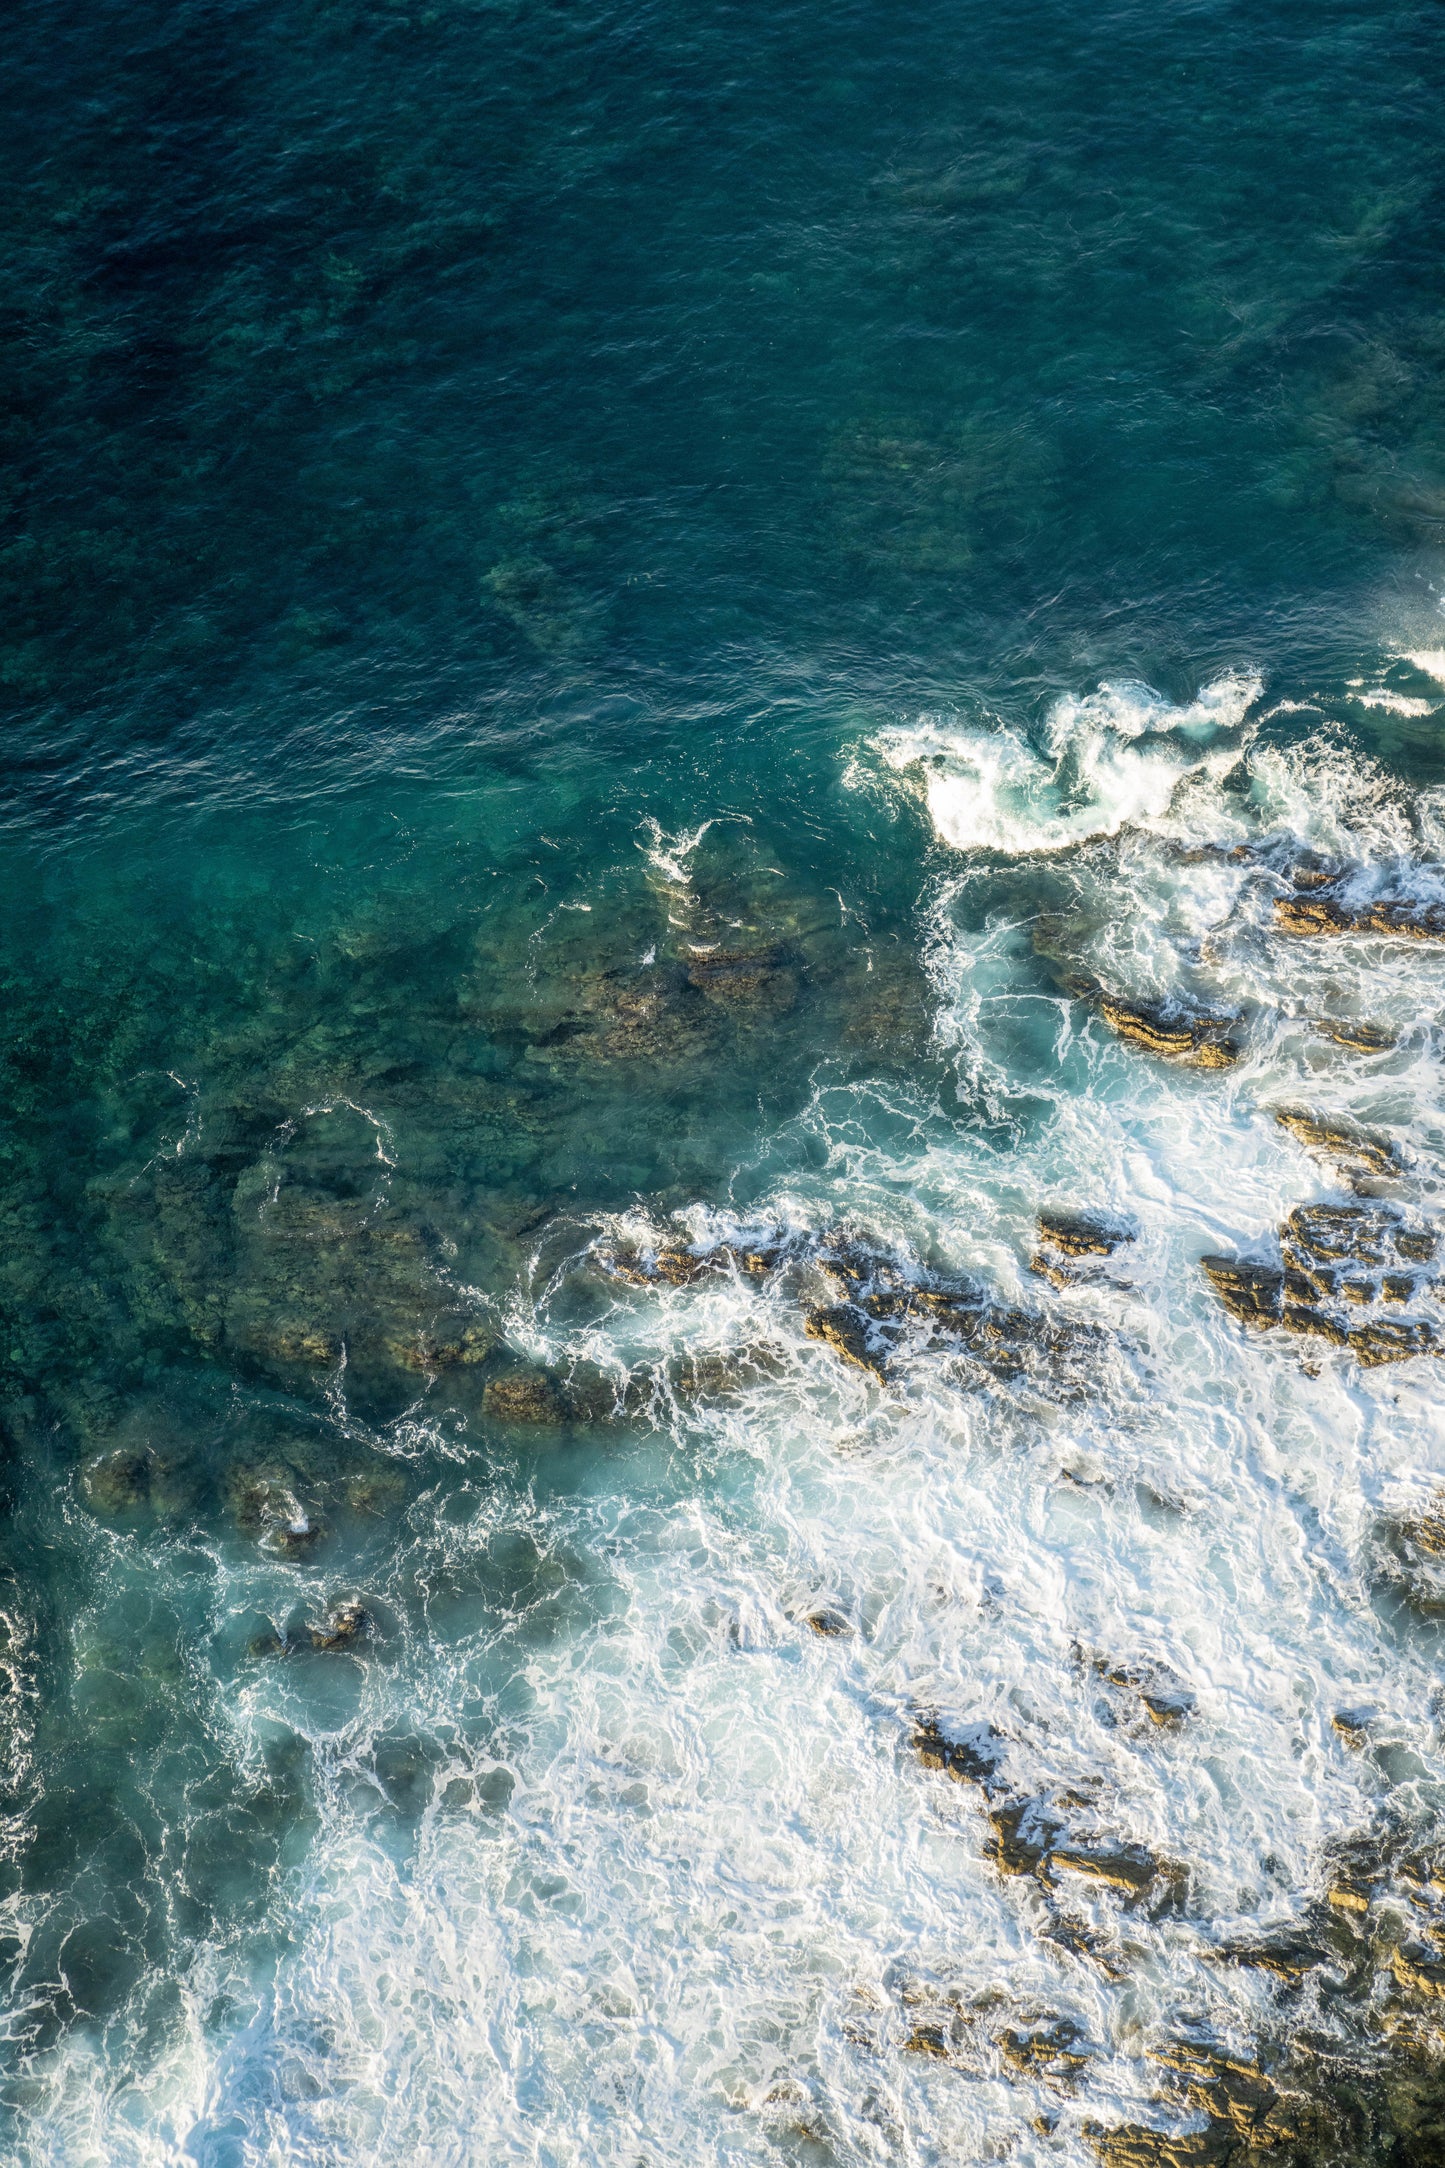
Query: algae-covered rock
[[346, 1625], [118, 1483], [1315, 912], [524, 1396]]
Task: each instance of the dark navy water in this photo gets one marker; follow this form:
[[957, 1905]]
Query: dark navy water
[[588, 601]]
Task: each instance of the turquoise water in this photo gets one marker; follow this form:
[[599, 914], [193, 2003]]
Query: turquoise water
[[610, 616]]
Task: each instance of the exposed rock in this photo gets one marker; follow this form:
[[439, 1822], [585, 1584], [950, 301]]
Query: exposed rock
[[1137, 2145], [1227, 2089], [1070, 1241], [524, 1396], [1250, 1292], [1357, 1037], [827, 1623], [1023, 1836], [975, 1755], [845, 1328], [1336, 1259], [1130, 1868], [1052, 2052], [1318, 912], [1288, 1955], [1082, 1234], [1203, 1041], [1167, 1700], [1419, 1971], [1356, 1152], [346, 1624], [928, 2040]]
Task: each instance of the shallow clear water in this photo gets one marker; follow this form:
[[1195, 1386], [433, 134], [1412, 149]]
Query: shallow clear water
[[613, 619]]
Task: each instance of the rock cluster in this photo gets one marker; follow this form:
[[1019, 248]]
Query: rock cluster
[[869, 1306], [1030, 1835], [1346, 1272]]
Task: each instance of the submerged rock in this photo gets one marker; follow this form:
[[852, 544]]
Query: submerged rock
[[118, 1482], [524, 1396]]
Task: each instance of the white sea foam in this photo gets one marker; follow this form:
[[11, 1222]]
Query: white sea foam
[[1113, 760]]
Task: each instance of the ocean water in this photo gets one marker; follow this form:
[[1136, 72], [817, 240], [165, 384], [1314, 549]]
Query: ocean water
[[622, 628]]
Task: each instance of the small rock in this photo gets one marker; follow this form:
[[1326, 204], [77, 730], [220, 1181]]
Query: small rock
[[843, 1327], [347, 1623], [1357, 1152]]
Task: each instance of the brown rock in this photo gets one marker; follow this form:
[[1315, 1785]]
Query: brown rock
[[1358, 1152], [1202, 1041], [524, 1396], [1252, 1293], [843, 1327]]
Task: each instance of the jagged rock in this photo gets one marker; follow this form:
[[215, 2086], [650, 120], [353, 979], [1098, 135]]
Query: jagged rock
[[1356, 1152], [346, 1624], [1227, 2089], [845, 1328], [1051, 2053], [1068, 1241], [1289, 1956], [1419, 1972], [1130, 1868], [1333, 1260], [1316, 913], [928, 2040], [1202, 1041], [1137, 2145], [1353, 1725], [1167, 1700], [1082, 1234], [1252, 1293], [1023, 1836], [1358, 1038], [827, 1623], [524, 1396], [974, 1756]]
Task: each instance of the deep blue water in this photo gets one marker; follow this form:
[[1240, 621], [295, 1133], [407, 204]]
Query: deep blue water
[[490, 491]]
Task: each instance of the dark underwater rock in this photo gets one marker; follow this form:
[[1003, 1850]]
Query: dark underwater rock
[[265, 1504], [118, 1483], [524, 1396]]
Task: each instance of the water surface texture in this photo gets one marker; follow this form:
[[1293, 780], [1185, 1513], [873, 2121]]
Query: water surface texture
[[667, 668]]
